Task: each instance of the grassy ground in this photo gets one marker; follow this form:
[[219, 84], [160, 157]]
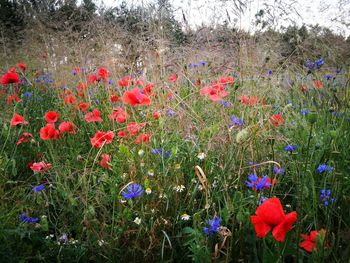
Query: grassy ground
[[191, 157]]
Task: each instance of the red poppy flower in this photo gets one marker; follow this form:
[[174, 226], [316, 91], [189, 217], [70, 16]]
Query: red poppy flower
[[92, 79], [270, 216], [246, 100], [276, 120], [309, 243], [125, 82], [139, 82], [215, 92], [17, 120], [10, 77], [143, 137], [173, 77], [156, 115], [318, 84], [122, 134], [22, 66], [133, 127], [51, 116], [48, 132], [253, 100], [102, 137], [134, 97], [105, 161], [103, 73], [83, 106], [303, 88], [24, 138], [40, 167], [114, 98], [81, 86], [118, 115], [67, 126], [227, 80], [148, 90], [14, 98], [94, 116], [69, 100]]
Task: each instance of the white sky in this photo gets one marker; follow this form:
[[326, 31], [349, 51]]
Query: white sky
[[322, 12]]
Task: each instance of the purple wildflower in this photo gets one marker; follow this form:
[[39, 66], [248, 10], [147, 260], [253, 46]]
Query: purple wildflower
[[132, 191], [213, 226]]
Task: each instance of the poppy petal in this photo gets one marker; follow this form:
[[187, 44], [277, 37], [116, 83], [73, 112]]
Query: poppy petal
[[261, 228]]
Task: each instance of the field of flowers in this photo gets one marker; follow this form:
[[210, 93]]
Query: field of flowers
[[180, 165]]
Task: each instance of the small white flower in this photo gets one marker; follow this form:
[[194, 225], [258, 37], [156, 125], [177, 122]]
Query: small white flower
[[150, 172], [148, 190], [137, 221], [141, 153], [73, 242], [122, 201], [185, 217], [201, 156], [101, 242], [179, 188]]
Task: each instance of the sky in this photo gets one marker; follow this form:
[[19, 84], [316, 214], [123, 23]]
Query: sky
[[323, 12]]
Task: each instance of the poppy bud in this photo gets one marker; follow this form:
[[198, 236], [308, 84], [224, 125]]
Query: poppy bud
[[242, 136], [312, 117]]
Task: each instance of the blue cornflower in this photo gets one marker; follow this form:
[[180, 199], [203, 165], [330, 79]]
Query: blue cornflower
[[38, 188], [337, 114], [193, 65], [225, 103], [325, 196], [27, 219], [269, 72], [160, 151], [235, 121], [213, 226], [324, 168], [304, 112], [277, 170], [309, 65], [170, 113], [319, 63], [203, 63], [328, 77], [27, 94], [64, 238], [258, 183], [110, 82], [133, 190], [291, 148]]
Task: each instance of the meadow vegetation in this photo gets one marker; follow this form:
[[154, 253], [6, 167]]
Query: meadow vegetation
[[128, 136]]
